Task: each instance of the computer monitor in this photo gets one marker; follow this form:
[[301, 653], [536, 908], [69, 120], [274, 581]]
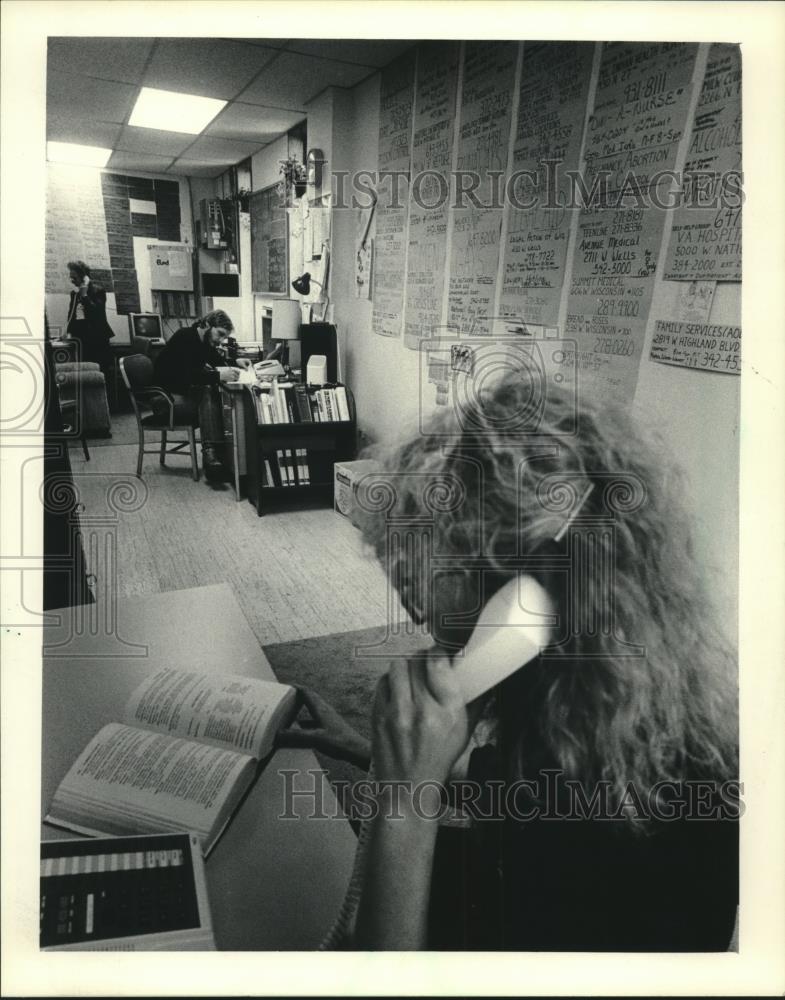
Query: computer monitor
[[145, 325]]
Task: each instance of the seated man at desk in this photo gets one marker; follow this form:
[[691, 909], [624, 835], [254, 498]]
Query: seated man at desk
[[191, 365]]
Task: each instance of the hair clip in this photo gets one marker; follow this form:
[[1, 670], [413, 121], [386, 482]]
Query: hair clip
[[573, 513]]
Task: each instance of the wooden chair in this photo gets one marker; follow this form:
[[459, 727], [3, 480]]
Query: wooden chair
[[175, 412]]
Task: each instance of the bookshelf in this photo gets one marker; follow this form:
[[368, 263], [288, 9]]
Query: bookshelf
[[295, 458]]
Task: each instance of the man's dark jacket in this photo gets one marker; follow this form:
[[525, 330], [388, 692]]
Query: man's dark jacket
[[186, 361], [93, 331]]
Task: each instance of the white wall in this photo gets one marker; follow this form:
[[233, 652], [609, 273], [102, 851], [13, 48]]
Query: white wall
[[697, 414]]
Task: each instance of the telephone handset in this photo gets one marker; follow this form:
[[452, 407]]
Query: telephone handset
[[512, 629]]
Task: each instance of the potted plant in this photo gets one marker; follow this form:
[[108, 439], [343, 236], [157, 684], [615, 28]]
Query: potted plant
[[242, 199], [293, 181]]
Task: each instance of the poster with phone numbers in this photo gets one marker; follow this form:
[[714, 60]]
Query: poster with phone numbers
[[551, 112], [705, 242], [486, 112], [633, 135], [396, 105], [432, 151], [707, 347]]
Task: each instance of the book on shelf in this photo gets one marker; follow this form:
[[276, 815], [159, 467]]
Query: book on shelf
[[283, 472], [343, 403], [140, 893], [305, 472], [263, 404], [303, 404], [286, 402], [289, 467], [279, 402], [186, 749], [291, 414]]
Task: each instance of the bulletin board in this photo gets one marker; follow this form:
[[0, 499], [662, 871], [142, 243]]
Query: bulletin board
[[269, 242], [170, 268]]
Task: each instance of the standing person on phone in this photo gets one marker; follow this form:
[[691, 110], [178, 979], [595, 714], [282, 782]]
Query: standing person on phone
[[87, 323]]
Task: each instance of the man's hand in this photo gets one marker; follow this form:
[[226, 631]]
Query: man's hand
[[228, 374]]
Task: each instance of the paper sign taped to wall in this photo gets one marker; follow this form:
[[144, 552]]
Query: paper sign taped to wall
[[170, 268], [363, 270], [705, 346], [694, 299]]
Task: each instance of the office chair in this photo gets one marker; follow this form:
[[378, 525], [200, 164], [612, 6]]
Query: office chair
[[175, 412]]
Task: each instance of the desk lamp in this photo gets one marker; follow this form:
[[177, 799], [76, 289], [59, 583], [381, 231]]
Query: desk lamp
[[302, 286], [287, 316]]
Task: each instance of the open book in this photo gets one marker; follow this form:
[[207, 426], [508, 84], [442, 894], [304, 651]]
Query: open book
[[181, 759]]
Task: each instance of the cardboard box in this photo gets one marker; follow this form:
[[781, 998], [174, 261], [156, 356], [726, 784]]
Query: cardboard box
[[347, 475]]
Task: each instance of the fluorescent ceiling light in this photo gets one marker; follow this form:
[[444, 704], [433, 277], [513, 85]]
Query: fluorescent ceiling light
[[173, 112], [71, 152]]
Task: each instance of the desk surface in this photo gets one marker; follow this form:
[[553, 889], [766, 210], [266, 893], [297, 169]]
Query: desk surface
[[273, 883]]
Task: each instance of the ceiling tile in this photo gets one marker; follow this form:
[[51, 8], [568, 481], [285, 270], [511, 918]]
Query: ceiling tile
[[152, 140], [146, 162], [121, 59], [195, 168], [108, 102], [210, 149], [88, 132], [363, 51], [291, 80], [252, 122], [209, 67]]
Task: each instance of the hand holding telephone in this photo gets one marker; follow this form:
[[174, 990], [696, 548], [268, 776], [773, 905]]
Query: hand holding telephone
[[512, 629]]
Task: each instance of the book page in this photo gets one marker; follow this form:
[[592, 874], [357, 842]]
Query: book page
[[129, 780], [222, 709]]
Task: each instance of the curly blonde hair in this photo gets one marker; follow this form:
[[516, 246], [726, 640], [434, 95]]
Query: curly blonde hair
[[652, 699]]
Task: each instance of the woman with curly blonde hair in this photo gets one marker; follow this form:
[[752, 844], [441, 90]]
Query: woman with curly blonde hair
[[604, 801]]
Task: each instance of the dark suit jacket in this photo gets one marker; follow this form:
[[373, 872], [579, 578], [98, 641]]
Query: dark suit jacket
[[187, 360], [93, 332], [94, 302]]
